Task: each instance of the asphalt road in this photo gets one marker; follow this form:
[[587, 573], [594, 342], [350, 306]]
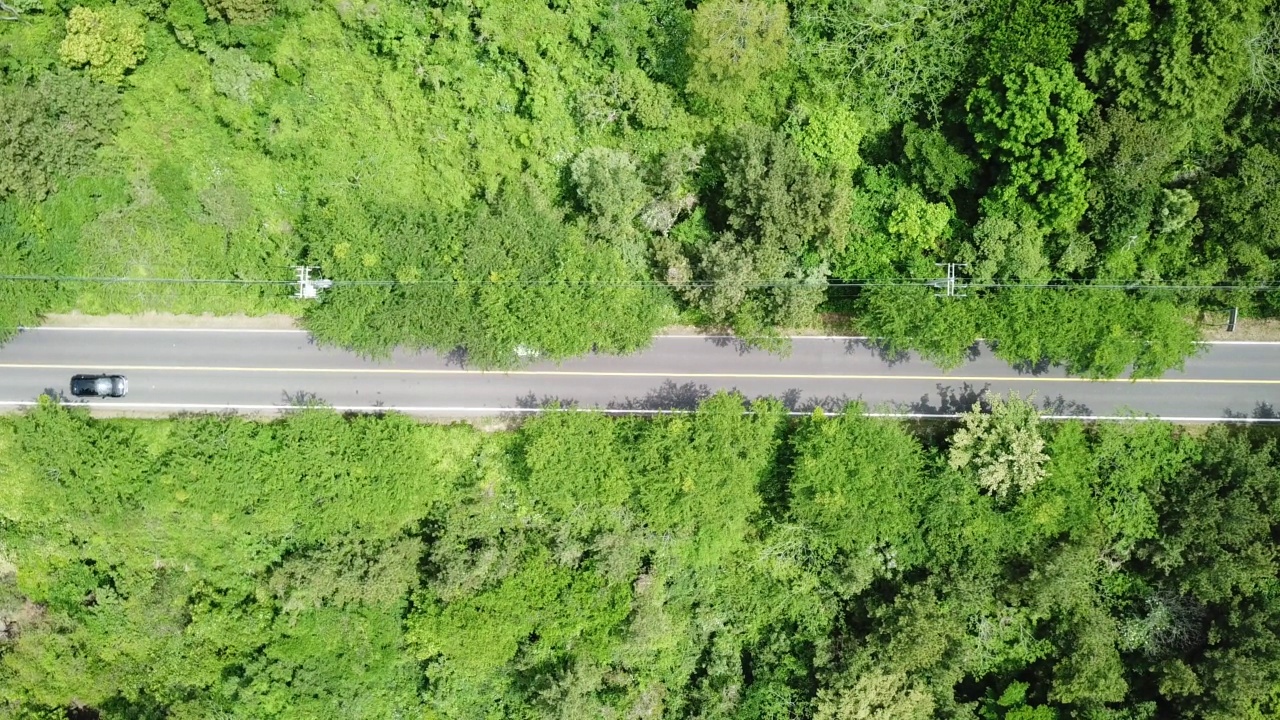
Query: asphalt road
[[268, 370]]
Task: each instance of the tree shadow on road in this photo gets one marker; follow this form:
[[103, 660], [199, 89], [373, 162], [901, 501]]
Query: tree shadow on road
[[301, 399], [1060, 406], [533, 402], [1034, 369], [1259, 425], [57, 395], [951, 400], [826, 403], [667, 396], [740, 346], [894, 357], [880, 349], [457, 357]]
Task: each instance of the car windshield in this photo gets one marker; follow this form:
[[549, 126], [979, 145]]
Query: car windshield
[[102, 386]]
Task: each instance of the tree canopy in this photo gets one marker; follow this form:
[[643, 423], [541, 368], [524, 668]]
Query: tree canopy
[[746, 164], [722, 564]]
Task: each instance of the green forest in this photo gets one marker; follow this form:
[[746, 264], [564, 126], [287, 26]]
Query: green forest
[[711, 565], [573, 176], [577, 174]]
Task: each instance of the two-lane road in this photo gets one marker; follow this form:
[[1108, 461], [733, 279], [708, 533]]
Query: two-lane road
[[266, 370]]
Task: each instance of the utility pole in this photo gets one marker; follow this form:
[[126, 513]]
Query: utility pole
[[309, 289], [948, 285]]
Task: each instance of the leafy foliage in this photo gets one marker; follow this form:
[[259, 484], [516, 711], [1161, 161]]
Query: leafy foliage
[[721, 563], [240, 11], [717, 163], [829, 134], [1185, 59], [1002, 446], [891, 59], [734, 47], [611, 188], [1027, 120], [1244, 214], [53, 127], [110, 41], [516, 275], [779, 218]]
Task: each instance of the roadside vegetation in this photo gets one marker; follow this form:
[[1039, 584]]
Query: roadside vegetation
[[713, 565], [569, 175]]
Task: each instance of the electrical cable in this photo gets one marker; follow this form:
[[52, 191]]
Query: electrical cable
[[764, 283]]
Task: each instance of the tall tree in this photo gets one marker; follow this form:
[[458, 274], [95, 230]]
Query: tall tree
[[780, 218], [734, 47], [1002, 446], [1178, 59], [1027, 120]]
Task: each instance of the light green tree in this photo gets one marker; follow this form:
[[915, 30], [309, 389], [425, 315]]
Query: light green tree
[[734, 46], [851, 492], [828, 133], [240, 12], [1003, 448], [890, 58], [875, 694], [109, 40], [916, 223], [611, 190]]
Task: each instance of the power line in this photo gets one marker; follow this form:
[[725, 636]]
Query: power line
[[764, 283], [948, 286], [108, 280], [1120, 286], [778, 282]]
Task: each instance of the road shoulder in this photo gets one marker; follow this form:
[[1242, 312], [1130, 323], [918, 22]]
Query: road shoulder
[[171, 321]]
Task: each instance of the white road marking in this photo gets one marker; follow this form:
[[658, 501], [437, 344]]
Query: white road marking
[[441, 410], [660, 374], [57, 328], [655, 337]]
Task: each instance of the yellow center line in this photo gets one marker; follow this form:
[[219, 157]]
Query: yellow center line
[[639, 374]]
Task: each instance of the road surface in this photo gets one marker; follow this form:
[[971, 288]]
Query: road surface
[[263, 370]]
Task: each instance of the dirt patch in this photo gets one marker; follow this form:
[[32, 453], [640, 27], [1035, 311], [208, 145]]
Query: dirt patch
[[835, 325], [1214, 327], [827, 325], [168, 320]]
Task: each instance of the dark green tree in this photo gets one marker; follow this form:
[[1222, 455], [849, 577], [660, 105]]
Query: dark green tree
[[779, 219], [54, 125], [1027, 122]]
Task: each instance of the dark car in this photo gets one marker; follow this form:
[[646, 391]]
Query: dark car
[[99, 385]]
